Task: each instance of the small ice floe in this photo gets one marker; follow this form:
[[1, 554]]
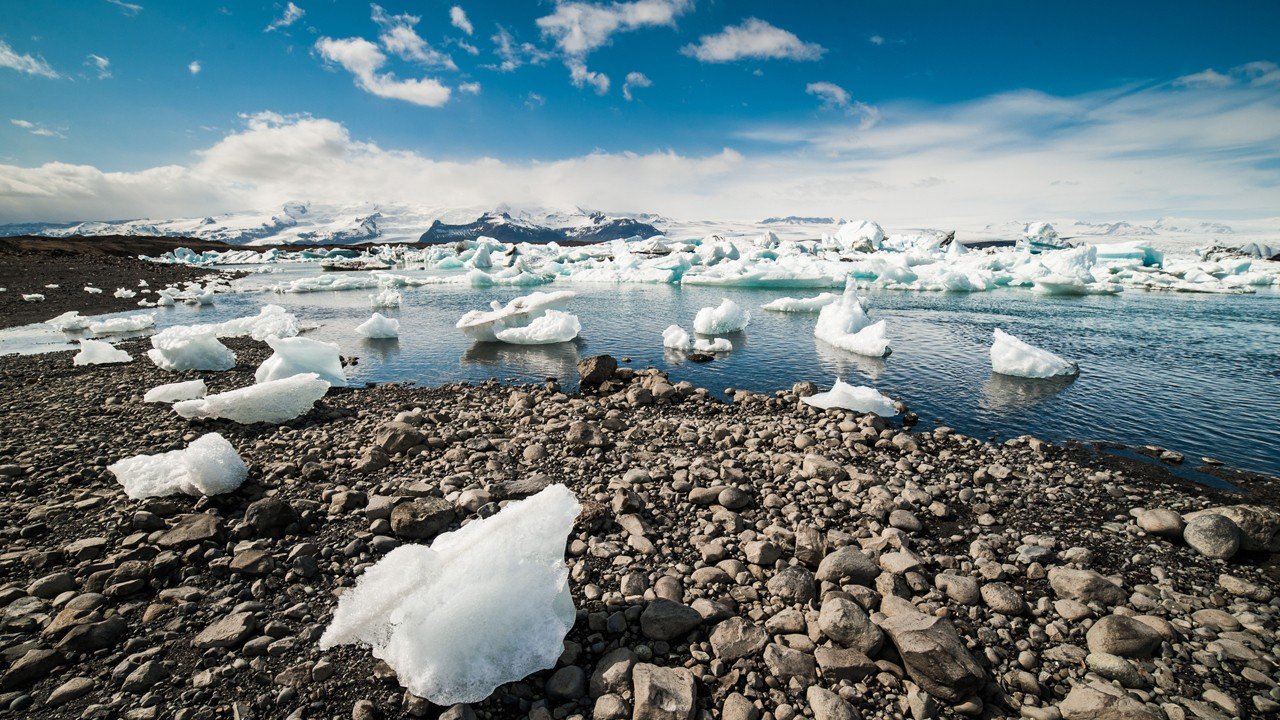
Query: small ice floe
[[1011, 356], [274, 401], [801, 305], [69, 321], [386, 299], [176, 392], [844, 325], [208, 466], [296, 356], [379, 326], [553, 326], [481, 606], [92, 290], [165, 299], [675, 338], [123, 324], [190, 347], [99, 352], [124, 293], [859, 398], [484, 325], [712, 345], [32, 297], [727, 317], [271, 321], [204, 297]]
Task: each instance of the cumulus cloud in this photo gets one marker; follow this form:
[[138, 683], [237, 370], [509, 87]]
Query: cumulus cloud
[[37, 129], [835, 97], [29, 64], [470, 88], [513, 53], [458, 18], [127, 8], [578, 27], [580, 76], [100, 64], [363, 60], [292, 14], [194, 67], [399, 38], [635, 80], [754, 39]]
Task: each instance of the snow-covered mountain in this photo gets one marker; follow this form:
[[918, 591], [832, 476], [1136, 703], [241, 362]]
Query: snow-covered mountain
[[595, 227]]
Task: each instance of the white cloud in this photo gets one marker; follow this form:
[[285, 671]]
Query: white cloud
[[99, 63], [514, 54], [399, 38], [127, 8], [458, 18], [755, 39], [1206, 78], [194, 67], [37, 129], [292, 14], [580, 76], [534, 100], [579, 27], [363, 60], [835, 97], [876, 39], [635, 80], [12, 59], [470, 88], [1258, 73]]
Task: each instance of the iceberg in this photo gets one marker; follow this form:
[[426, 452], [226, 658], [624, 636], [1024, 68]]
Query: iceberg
[[190, 347], [481, 606], [386, 299], [208, 466], [801, 305], [68, 321], [856, 236], [98, 352], [176, 392], [298, 356], [726, 318], [484, 325], [274, 401], [1011, 356], [860, 399], [379, 326], [844, 325], [125, 324], [712, 345], [271, 321], [675, 338], [553, 326]]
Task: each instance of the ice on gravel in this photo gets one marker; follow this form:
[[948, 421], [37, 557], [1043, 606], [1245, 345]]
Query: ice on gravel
[[801, 305], [553, 326], [295, 356], [484, 325], [386, 299], [68, 322], [379, 326], [844, 324], [99, 352], [274, 401], [727, 317], [858, 398], [190, 347], [1011, 356], [33, 297], [124, 293], [482, 606], [208, 466], [123, 324], [176, 392]]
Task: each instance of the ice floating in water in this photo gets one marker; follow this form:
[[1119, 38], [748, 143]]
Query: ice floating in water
[[553, 326], [675, 338], [68, 322], [271, 321], [208, 466], [379, 326], [726, 318], [1011, 356], [386, 299], [485, 605], [801, 305], [843, 324], [484, 325], [295, 356], [190, 347], [712, 345], [98, 352], [126, 324], [275, 401], [176, 392], [858, 399]]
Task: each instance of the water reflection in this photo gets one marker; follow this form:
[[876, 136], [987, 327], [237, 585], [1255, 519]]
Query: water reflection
[[843, 361], [558, 359], [1007, 391], [381, 348]]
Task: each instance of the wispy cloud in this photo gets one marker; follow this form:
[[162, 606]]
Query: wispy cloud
[[513, 53], [37, 129], [458, 18], [399, 38], [364, 61], [99, 63], [752, 39], [29, 64], [470, 88], [580, 76], [578, 28], [291, 14], [635, 80], [835, 97], [127, 8]]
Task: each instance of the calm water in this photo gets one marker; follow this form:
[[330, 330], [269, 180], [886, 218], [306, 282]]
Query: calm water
[[1195, 373]]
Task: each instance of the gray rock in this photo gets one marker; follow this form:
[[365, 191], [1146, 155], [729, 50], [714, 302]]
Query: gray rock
[[1124, 636], [595, 370], [1259, 525], [737, 707], [785, 663], [737, 637], [668, 620], [1102, 701], [230, 631], [189, 530], [398, 437], [1214, 536], [611, 707], [422, 518], [663, 693], [567, 683], [584, 433], [827, 705], [1160, 521], [845, 622], [793, 584], [144, 676], [964, 590], [269, 516], [1085, 586], [844, 664], [72, 689], [613, 672], [934, 656], [848, 565], [1002, 598]]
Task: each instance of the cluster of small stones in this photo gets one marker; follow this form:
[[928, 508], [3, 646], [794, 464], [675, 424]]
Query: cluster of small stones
[[753, 560]]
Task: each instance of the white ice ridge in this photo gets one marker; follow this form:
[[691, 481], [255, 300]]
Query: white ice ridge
[[175, 392], [484, 325], [861, 399], [482, 606], [379, 326], [844, 324], [99, 352], [69, 321], [801, 305], [208, 466], [295, 356], [386, 299], [553, 326], [276, 401], [190, 347], [124, 324], [727, 317], [1011, 356]]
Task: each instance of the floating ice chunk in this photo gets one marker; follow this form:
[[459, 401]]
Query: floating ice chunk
[[275, 401], [485, 605], [858, 399], [675, 338], [1011, 356], [845, 325], [124, 293], [727, 317], [165, 300], [125, 324], [553, 326], [208, 466], [1062, 285], [294, 356], [271, 321], [386, 299], [379, 326], [33, 297], [190, 347], [68, 321], [176, 392], [712, 345], [801, 305], [92, 290], [483, 325], [98, 352]]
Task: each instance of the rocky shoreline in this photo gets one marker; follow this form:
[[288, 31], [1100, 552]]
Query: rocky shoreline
[[760, 559]]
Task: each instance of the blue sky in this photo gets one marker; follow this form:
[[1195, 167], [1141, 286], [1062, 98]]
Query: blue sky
[[849, 95]]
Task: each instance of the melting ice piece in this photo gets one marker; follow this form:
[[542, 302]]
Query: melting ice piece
[[801, 305], [176, 392], [124, 293], [33, 297], [99, 352], [482, 606], [844, 324], [1011, 356], [553, 326], [386, 299], [275, 401], [68, 321], [92, 290], [379, 326], [726, 318], [297, 355], [125, 324], [208, 466], [675, 338], [271, 321], [484, 325], [858, 399], [712, 345], [190, 347]]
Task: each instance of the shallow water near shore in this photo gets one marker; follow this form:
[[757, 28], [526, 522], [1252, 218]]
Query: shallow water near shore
[[1194, 373]]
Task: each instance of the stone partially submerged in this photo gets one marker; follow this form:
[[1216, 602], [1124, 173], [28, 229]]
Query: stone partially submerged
[[274, 401], [484, 605], [208, 466], [859, 398], [1011, 356]]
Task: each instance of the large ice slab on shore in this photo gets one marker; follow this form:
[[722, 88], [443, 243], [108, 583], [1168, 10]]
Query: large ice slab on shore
[[859, 398], [296, 356], [176, 392], [275, 401], [727, 317], [208, 466], [1011, 356], [68, 321], [844, 324], [190, 347], [482, 606], [99, 352], [553, 326], [379, 326]]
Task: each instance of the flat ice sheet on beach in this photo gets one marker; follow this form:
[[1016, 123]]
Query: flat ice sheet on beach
[[859, 398], [275, 401]]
